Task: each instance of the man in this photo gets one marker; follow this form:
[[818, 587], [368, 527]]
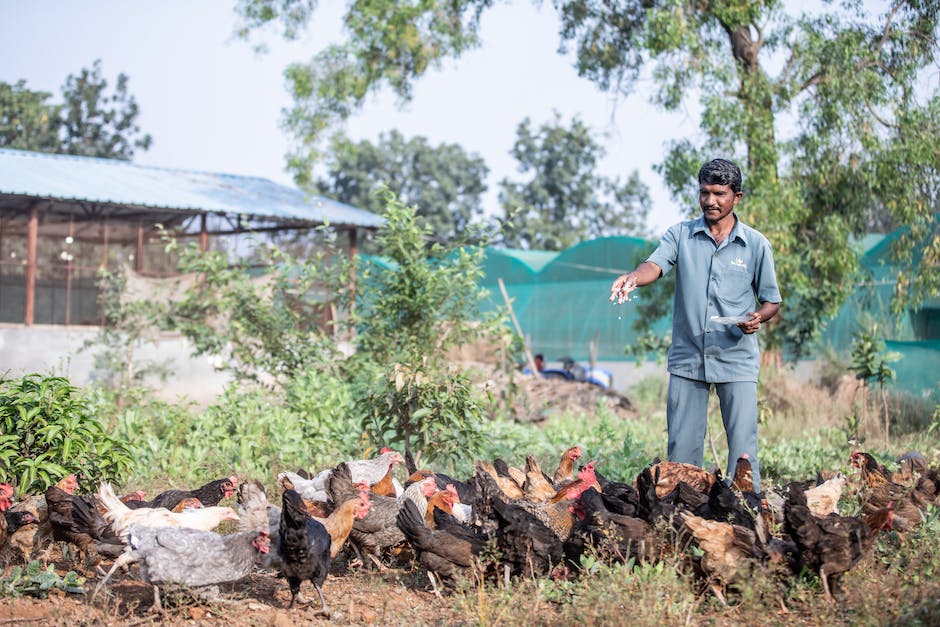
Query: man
[[721, 265]]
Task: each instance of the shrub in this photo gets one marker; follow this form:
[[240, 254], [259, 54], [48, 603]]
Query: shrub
[[48, 431]]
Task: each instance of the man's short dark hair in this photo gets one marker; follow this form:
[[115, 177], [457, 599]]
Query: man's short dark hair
[[721, 172]]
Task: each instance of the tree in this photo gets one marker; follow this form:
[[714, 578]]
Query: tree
[[564, 200], [96, 124], [27, 120], [90, 121], [863, 139], [444, 182], [870, 363]]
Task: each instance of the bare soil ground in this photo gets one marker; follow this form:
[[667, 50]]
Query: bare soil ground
[[401, 596]]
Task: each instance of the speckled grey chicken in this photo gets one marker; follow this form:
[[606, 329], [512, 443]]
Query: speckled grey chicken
[[189, 557]]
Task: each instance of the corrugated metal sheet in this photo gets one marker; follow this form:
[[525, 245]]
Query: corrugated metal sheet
[[67, 177]]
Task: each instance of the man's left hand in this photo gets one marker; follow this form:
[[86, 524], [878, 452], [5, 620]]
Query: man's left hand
[[752, 325]]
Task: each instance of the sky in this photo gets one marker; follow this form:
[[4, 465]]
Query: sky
[[212, 103]]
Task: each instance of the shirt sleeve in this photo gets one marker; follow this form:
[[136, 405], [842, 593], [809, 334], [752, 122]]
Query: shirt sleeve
[[667, 253], [765, 278]]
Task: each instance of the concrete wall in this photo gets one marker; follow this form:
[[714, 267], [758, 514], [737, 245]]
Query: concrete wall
[[60, 350]]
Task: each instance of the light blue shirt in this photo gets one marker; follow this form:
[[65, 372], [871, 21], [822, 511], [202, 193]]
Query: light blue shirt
[[715, 280]]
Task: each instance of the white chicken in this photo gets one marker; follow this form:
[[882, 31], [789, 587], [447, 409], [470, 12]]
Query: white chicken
[[121, 516]]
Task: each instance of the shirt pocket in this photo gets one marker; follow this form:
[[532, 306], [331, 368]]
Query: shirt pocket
[[736, 289]]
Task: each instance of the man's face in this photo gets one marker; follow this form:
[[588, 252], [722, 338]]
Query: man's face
[[717, 201]]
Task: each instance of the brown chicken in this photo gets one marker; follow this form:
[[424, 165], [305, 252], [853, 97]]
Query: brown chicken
[[536, 488], [74, 519], [565, 471], [339, 524], [669, 474], [386, 485], [442, 500], [187, 503], [510, 488], [28, 538], [743, 480], [880, 492], [728, 551]]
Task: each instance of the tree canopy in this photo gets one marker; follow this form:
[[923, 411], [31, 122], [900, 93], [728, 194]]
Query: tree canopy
[[89, 121], [444, 182], [826, 111], [562, 200]]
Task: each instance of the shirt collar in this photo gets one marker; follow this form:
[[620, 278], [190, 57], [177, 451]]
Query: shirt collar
[[737, 232]]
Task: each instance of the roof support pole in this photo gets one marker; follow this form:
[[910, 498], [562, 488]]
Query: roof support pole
[[139, 253], [203, 234], [353, 250], [32, 235]]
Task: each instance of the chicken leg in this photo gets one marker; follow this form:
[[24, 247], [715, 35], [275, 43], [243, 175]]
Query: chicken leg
[[324, 610], [825, 582]]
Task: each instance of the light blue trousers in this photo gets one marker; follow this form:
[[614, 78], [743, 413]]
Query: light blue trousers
[[687, 416]]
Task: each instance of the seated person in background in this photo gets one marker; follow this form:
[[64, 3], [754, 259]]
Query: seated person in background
[[540, 362]]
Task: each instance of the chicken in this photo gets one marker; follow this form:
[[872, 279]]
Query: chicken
[[187, 503], [611, 534], [6, 494], [339, 523], [304, 548], [419, 493], [829, 546], [446, 555], [669, 474], [537, 487], [649, 505], [565, 471], [28, 537], [209, 494], [443, 500], [743, 480], [728, 551], [14, 520], [619, 497], [121, 517], [509, 487], [370, 471], [880, 492], [723, 505], [529, 546], [75, 519], [189, 557], [257, 514], [377, 531], [387, 485], [824, 498], [586, 479]]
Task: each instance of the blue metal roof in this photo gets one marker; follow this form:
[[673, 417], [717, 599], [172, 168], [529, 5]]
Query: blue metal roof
[[89, 179]]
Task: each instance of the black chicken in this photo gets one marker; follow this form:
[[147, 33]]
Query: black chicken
[[614, 535], [443, 553], [829, 546], [528, 545], [209, 495], [304, 548]]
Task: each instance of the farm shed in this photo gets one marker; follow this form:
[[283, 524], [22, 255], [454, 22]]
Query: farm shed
[[63, 217]]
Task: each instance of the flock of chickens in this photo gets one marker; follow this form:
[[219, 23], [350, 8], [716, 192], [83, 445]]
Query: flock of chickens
[[502, 521]]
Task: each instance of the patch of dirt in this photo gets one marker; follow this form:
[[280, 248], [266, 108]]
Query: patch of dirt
[[392, 597], [536, 399]]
